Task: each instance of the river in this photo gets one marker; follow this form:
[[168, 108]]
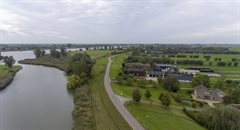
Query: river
[[37, 99]]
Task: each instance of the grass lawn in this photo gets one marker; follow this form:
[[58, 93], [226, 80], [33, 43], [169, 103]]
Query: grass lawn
[[4, 70], [106, 115], [117, 64], [161, 118]]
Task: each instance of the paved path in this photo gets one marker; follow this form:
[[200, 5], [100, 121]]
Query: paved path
[[118, 104]]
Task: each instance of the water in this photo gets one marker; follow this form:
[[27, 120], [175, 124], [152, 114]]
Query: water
[[37, 99]]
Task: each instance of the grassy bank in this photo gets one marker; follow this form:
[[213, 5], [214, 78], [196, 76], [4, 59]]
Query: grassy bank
[[106, 115], [47, 60], [7, 75], [161, 118]]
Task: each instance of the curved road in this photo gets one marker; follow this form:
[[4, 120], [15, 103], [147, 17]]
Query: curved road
[[118, 104]]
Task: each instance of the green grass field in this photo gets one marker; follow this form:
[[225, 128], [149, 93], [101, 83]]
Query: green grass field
[[160, 118], [4, 70], [106, 115]]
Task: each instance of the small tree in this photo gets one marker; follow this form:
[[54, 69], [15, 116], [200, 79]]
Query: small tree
[[148, 94], [9, 61], [194, 104], [73, 82], [136, 95], [57, 54], [159, 79], [165, 99], [63, 51]]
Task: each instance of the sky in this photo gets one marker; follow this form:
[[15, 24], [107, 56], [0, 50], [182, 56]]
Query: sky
[[120, 21]]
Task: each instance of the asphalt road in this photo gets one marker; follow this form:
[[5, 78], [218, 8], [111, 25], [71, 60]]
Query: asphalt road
[[118, 104]]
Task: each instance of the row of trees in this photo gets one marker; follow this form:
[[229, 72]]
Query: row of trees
[[190, 62], [164, 97], [38, 52]]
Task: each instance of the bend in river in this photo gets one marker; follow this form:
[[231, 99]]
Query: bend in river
[[37, 99]]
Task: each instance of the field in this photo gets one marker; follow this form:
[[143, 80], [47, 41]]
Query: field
[[227, 71], [161, 118], [4, 70]]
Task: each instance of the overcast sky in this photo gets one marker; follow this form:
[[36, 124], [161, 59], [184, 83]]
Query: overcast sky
[[120, 21]]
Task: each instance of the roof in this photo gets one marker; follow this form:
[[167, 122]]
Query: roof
[[163, 65], [151, 72], [200, 88]]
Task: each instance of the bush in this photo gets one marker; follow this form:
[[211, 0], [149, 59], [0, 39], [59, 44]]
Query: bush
[[136, 95]]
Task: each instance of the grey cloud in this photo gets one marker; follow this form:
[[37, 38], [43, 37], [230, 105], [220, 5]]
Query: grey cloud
[[98, 21]]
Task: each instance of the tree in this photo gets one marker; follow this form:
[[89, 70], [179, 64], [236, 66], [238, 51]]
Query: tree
[[194, 104], [136, 95], [63, 51], [37, 52], [171, 83], [220, 118], [148, 94], [201, 79], [165, 99], [57, 54], [43, 52], [9, 61], [220, 83], [53, 51], [73, 82]]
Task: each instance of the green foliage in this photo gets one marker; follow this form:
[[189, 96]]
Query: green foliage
[[171, 83], [220, 83], [194, 104], [201, 79], [159, 79], [165, 99], [147, 94], [63, 51], [82, 113], [80, 64], [220, 118], [136, 95], [9, 61], [73, 82], [38, 52]]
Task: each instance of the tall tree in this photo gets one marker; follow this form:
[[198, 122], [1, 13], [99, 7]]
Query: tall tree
[[136, 95], [201, 79], [171, 83], [37, 52]]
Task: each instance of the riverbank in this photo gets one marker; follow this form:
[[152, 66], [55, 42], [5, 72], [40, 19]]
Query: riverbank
[[7, 75], [47, 60]]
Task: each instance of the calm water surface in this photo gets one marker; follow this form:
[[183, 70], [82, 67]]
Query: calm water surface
[[37, 99]]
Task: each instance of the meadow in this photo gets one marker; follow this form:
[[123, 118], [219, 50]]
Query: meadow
[[161, 118], [4, 70]]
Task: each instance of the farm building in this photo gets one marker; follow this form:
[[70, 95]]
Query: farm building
[[202, 92]]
